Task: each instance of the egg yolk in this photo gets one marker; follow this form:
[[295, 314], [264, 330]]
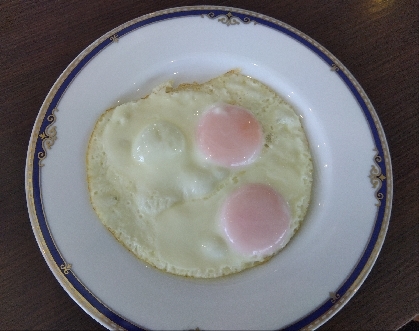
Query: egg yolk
[[256, 219], [229, 135]]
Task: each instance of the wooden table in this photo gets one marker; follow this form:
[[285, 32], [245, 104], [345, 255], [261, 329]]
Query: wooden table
[[377, 40]]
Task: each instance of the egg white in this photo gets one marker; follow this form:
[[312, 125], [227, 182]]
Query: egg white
[[161, 198]]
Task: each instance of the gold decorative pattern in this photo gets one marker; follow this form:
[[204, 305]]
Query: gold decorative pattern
[[114, 38], [334, 296], [229, 19], [66, 267], [48, 137], [334, 67], [377, 178]]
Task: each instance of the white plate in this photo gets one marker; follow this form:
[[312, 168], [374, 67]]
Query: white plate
[[301, 287]]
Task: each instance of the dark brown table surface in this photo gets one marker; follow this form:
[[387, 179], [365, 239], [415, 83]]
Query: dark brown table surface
[[377, 40]]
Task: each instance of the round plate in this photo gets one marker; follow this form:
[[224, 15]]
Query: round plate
[[301, 287]]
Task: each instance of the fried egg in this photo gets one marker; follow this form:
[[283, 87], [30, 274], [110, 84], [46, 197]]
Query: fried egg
[[201, 180]]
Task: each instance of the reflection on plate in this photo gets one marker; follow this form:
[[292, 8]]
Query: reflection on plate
[[304, 285]]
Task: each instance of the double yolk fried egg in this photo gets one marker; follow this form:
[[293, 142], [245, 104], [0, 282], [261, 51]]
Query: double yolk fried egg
[[201, 180]]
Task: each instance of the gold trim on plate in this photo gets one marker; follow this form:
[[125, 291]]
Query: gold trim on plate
[[48, 137], [229, 19], [377, 178]]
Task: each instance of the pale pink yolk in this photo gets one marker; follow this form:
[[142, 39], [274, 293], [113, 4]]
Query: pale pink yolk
[[229, 135], [256, 219]]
